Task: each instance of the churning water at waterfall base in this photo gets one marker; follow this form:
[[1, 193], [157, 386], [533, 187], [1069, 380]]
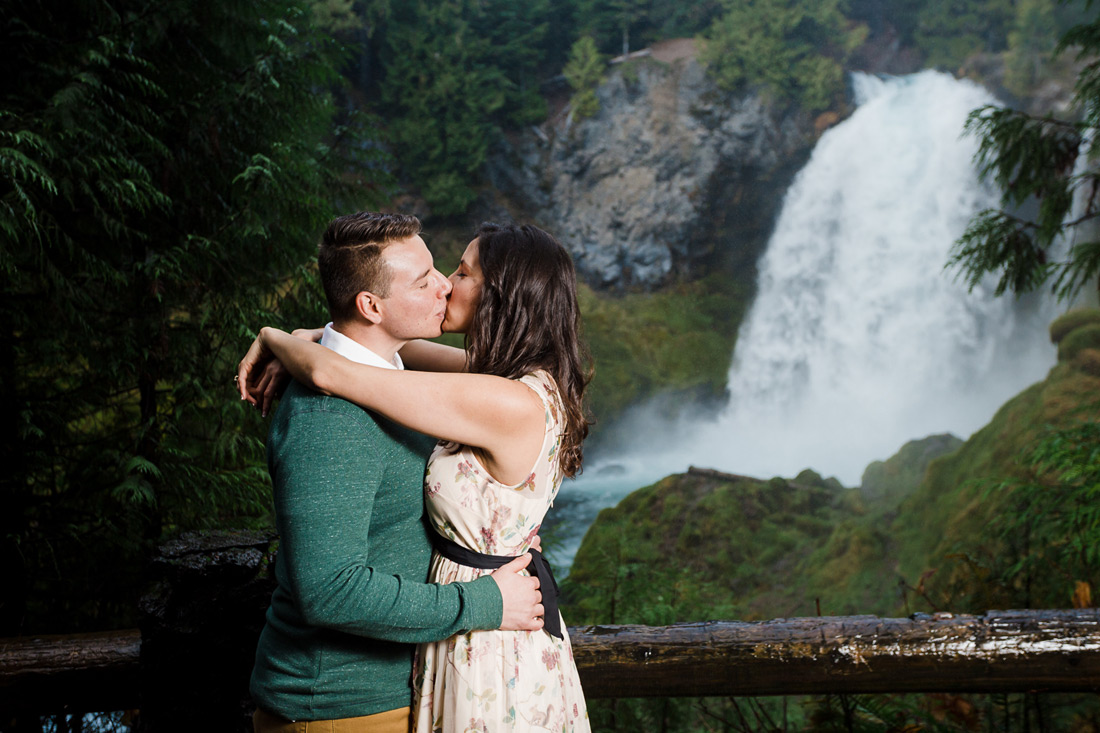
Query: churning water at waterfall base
[[858, 340]]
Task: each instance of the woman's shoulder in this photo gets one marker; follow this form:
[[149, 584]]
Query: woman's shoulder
[[542, 383]]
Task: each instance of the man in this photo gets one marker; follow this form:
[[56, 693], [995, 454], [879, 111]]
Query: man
[[348, 484]]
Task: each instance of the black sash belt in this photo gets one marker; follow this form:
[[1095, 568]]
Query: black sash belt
[[549, 587]]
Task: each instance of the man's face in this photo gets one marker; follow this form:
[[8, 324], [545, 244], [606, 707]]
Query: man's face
[[417, 303]]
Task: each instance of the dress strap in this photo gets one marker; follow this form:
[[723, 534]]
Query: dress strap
[[465, 556]]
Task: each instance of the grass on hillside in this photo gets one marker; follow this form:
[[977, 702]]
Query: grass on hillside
[[678, 341]]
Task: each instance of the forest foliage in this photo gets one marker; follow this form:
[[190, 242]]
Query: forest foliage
[[167, 166], [165, 170], [795, 49], [1044, 232]]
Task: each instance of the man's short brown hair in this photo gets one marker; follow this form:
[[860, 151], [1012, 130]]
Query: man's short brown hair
[[350, 257]]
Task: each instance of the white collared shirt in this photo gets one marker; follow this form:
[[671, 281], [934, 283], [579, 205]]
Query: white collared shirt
[[355, 351]]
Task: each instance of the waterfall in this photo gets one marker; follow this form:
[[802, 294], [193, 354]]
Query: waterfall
[[859, 340]]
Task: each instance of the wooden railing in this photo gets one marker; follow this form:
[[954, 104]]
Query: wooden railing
[[1001, 651], [189, 665], [50, 674]]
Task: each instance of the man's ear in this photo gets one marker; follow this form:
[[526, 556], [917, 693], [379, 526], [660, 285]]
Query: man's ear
[[369, 306]]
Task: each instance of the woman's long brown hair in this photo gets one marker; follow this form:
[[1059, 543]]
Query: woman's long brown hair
[[528, 319]]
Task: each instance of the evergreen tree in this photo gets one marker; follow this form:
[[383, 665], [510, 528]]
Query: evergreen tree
[[612, 21], [355, 24], [1034, 162], [619, 26], [584, 72], [455, 71], [948, 31], [1030, 43], [1051, 535], [518, 44], [166, 169], [679, 19], [793, 48]]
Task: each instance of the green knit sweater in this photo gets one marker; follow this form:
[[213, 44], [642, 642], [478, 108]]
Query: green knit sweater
[[351, 598]]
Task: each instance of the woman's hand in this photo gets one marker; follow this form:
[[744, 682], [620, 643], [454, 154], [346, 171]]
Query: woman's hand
[[262, 378], [273, 379], [253, 376]]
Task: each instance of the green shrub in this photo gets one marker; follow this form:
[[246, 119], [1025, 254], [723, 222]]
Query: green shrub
[[1074, 319], [1084, 337], [584, 72]]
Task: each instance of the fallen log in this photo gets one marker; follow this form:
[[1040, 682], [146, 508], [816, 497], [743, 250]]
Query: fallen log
[[1000, 651]]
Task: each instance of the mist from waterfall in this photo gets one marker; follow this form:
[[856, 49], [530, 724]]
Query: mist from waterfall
[[859, 340]]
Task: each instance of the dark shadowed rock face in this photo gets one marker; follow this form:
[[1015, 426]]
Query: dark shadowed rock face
[[200, 619], [669, 178]]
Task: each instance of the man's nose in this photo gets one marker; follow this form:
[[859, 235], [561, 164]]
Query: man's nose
[[445, 283]]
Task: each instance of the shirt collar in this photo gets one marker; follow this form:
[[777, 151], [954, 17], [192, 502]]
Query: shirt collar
[[355, 351]]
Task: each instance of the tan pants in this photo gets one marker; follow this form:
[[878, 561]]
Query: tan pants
[[391, 721]]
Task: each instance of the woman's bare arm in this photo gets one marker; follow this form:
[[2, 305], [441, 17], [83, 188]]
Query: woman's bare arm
[[501, 416]]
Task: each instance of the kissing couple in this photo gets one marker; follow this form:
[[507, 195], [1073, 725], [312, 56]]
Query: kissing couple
[[394, 544]]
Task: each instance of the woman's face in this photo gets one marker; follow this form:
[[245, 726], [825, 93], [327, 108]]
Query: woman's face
[[465, 292]]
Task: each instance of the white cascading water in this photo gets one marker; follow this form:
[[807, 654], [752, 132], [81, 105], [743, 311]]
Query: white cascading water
[[859, 340]]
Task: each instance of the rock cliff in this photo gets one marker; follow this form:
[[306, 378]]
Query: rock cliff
[[671, 177]]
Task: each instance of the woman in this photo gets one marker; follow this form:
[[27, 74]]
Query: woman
[[510, 429]]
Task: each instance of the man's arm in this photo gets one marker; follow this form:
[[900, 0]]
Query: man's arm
[[326, 479]]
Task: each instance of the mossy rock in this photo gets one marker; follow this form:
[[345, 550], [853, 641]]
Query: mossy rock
[[1061, 326], [1077, 340], [888, 482], [715, 545], [1088, 361]]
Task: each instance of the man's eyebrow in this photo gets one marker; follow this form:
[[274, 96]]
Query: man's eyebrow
[[423, 275]]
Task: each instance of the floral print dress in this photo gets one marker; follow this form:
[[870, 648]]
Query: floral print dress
[[495, 680]]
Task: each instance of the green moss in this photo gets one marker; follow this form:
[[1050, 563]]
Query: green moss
[[887, 482], [743, 545], [1087, 361], [630, 72], [1083, 337], [1074, 319]]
